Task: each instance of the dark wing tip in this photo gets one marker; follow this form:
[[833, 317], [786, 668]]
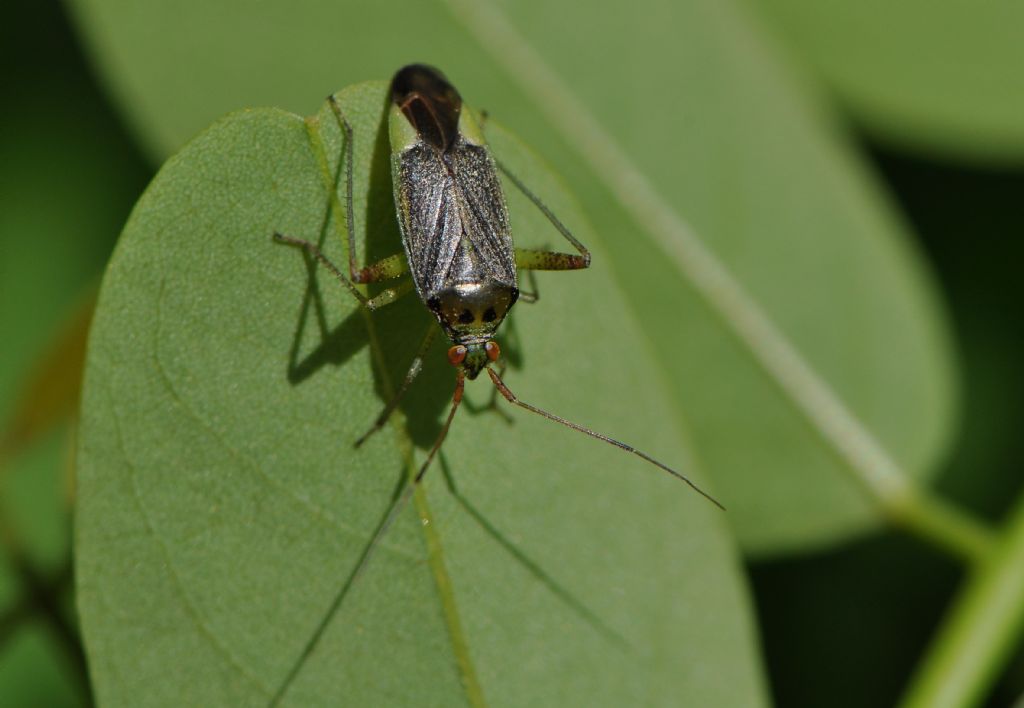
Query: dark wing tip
[[429, 102], [418, 78]]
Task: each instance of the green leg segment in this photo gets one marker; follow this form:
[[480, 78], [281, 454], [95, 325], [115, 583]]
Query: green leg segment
[[386, 297], [385, 269], [543, 257], [527, 259]]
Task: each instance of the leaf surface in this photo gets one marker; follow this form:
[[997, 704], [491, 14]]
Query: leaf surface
[[726, 143], [222, 506]]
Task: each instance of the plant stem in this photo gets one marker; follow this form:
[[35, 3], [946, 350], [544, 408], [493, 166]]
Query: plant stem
[[980, 630], [918, 511]]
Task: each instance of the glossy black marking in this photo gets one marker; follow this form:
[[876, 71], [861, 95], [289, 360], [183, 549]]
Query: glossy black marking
[[434, 304], [466, 317], [490, 315], [429, 102]]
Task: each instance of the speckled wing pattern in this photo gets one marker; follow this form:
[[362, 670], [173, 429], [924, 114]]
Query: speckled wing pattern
[[442, 203]]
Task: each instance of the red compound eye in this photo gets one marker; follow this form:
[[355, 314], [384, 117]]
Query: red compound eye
[[493, 352], [457, 354]]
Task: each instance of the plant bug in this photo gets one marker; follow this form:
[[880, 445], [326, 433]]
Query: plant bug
[[457, 241], [458, 256], [458, 249]]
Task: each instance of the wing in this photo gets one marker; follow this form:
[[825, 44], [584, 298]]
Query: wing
[[482, 211], [429, 215]]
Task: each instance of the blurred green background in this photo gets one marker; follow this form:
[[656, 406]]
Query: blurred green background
[[844, 626]]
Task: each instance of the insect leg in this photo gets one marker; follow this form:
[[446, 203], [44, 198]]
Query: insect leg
[[528, 259], [388, 296], [391, 267], [533, 295], [385, 269], [350, 226], [410, 375], [544, 259], [511, 398], [313, 250], [460, 383]]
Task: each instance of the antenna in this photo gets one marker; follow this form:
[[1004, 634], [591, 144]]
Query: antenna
[[512, 398]]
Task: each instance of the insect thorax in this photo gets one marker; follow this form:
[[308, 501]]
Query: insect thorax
[[470, 312]]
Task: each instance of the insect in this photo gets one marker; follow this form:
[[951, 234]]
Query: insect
[[458, 248], [458, 255]]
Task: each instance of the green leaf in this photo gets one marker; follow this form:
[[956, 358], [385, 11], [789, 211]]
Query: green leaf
[[720, 147], [939, 77], [222, 506]]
